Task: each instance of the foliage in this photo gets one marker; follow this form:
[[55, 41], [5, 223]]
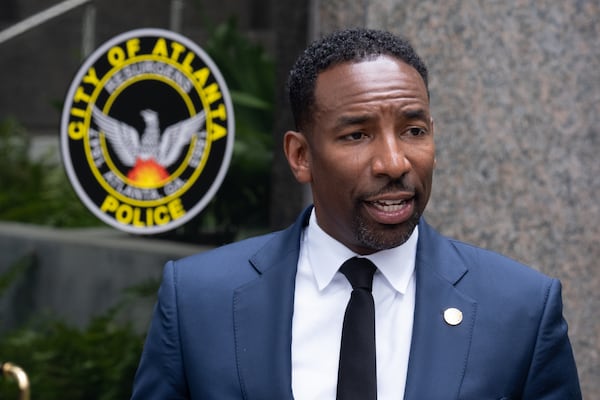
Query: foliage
[[64, 362], [14, 271], [35, 191], [250, 74]]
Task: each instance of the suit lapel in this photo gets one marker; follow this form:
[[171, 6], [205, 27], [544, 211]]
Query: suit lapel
[[263, 311], [439, 350]]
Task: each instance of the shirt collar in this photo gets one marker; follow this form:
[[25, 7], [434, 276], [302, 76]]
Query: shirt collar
[[326, 255]]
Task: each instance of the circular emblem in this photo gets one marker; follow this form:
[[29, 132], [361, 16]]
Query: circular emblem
[[147, 131], [453, 316]]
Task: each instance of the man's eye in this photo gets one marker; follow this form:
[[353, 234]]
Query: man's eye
[[417, 131], [355, 136]]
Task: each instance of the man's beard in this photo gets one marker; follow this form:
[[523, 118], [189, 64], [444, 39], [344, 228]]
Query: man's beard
[[379, 236], [385, 236]]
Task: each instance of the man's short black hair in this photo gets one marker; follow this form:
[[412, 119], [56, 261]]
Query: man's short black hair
[[348, 45]]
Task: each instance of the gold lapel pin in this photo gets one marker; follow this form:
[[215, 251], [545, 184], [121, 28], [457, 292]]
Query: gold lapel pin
[[453, 316]]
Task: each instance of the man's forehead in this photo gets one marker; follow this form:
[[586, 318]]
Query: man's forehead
[[384, 75], [378, 61]]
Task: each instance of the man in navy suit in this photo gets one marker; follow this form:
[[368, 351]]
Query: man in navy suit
[[262, 318]]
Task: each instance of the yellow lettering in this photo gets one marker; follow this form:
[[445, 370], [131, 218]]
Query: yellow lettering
[[201, 76], [80, 95], [109, 204], [91, 77], [136, 217], [140, 217], [177, 49], [149, 217], [220, 112], [186, 65], [217, 132], [212, 93], [160, 48], [76, 130], [116, 56], [124, 214], [78, 112], [161, 215], [176, 208], [133, 46]]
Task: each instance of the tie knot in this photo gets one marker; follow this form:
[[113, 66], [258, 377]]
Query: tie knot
[[359, 272]]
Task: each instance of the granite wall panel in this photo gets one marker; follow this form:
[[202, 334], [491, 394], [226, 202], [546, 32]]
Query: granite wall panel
[[515, 89]]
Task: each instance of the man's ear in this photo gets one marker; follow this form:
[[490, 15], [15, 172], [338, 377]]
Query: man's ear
[[297, 153]]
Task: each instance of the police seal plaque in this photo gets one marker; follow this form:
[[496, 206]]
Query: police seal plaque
[[147, 131]]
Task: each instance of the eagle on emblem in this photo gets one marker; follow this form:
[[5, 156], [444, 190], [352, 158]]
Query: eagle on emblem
[[150, 153]]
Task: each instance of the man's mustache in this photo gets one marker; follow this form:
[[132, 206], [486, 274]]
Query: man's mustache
[[396, 185]]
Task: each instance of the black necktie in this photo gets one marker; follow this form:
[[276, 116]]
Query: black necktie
[[357, 375]]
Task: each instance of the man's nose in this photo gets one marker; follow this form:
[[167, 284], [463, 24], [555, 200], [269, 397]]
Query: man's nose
[[389, 157]]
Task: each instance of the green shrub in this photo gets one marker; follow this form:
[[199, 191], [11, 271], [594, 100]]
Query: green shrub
[[65, 363], [69, 363], [35, 191]]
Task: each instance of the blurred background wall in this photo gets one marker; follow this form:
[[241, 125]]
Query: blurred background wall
[[515, 89]]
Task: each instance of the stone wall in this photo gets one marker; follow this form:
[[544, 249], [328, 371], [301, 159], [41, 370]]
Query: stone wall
[[77, 274], [515, 89]]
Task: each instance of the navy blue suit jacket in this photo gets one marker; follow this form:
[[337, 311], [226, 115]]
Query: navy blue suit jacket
[[222, 326]]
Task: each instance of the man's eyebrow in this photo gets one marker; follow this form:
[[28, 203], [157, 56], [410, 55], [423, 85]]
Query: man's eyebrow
[[418, 113], [359, 119], [349, 120]]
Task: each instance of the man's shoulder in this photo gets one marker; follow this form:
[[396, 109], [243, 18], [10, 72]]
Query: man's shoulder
[[242, 249], [480, 261], [493, 262], [274, 244]]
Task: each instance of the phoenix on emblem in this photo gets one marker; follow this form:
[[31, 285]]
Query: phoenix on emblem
[[148, 154]]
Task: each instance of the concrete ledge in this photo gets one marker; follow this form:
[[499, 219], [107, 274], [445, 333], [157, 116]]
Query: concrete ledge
[[79, 273]]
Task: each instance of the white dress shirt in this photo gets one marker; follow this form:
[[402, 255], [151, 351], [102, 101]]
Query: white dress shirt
[[321, 296]]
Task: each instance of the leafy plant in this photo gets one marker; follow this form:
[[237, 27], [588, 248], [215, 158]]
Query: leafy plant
[[250, 74], [64, 362], [35, 191]]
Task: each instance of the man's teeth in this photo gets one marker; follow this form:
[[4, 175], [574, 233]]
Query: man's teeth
[[390, 205]]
